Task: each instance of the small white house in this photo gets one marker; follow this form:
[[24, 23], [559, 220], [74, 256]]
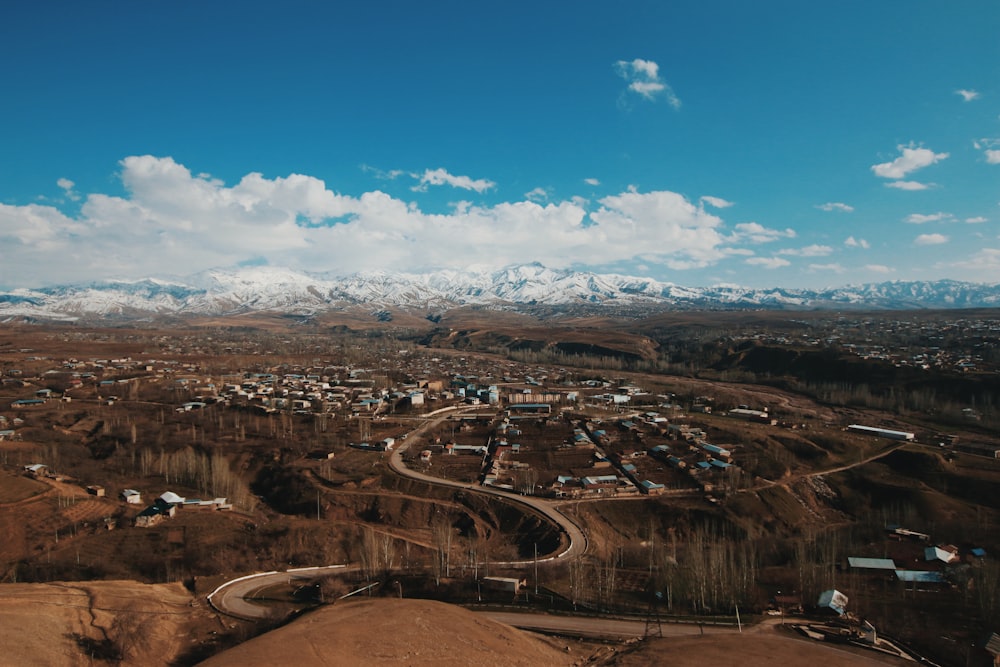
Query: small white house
[[171, 498], [131, 496], [833, 600]]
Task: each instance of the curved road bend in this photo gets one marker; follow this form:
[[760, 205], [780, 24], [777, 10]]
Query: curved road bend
[[235, 597], [577, 539]]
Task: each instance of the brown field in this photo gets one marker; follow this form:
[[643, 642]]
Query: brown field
[[77, 623], [15, 488], [807, 495]]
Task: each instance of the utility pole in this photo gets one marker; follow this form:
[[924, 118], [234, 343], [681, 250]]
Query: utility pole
[[536, 568]]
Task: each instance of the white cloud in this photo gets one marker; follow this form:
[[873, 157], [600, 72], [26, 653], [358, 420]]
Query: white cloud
[[808, 251], [442, 177], [592, 181], [920, 218], [538, 194], [990, 147], [986, 260], [768, 262], [908, 185], [911, 160], [835, 268], [643, 77], [982, 266], [878, 268], [835, 206], [381, 175], [930, 239], [716, 202], [968, 95], [852, 242], [976, 220], [173, 222], [757, 233], [67, 187]]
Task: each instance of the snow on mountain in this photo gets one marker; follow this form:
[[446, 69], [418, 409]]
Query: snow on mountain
[[277, 289]]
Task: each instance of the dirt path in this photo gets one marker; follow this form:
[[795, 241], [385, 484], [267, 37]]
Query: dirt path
[[791, 479]]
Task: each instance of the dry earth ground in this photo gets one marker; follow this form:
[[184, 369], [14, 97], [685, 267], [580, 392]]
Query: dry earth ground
[[63, 623]]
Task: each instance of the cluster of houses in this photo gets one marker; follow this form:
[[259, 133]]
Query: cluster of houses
[[929, 563], [933, 357], [8, 428], [613, 468], [383, 445], [163, 507], [693, 454], [167, 504]]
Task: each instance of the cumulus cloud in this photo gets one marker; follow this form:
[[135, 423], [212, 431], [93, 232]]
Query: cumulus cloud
[[976, 220], [757, 233], [920, 218], [878, 268], [716, 202], [382, 175], [982, 266], [852, 242], [990, 147], [834, 267], [986, 260], [442, 177], [67, 187], [835, 206], [910, 160], [808, 251], [968, 95], [908, 185], [930, 239], [175, 222], [538, 194], [592, 182], [643, 77], [768, 262]]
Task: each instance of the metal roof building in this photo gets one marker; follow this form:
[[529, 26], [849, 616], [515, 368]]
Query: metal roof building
[[881, 432], [871, 563], [920, 577]]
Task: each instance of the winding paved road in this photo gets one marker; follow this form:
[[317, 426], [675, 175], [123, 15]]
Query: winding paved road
[[235, 597], [577, 541]]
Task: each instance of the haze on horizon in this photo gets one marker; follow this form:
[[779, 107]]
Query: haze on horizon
[[778, 144]]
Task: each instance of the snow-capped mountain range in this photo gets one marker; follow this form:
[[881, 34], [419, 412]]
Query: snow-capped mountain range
[[219, 292]]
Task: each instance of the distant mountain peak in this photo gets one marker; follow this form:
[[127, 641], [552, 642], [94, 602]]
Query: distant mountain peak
[[268, 288]]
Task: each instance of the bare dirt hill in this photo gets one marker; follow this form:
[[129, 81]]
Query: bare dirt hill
[[88, 623], [755, 649], [393, 632]]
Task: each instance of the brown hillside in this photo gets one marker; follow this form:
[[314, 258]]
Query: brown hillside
[[758, 648], [392, 632], [82, 622]]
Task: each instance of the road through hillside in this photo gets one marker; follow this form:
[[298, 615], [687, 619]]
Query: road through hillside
[[577, 541], [236, 597]]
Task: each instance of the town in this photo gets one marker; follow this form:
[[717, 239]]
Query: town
[[212, 444]]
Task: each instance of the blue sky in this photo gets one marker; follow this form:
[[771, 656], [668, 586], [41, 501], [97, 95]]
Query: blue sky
[[797, 144]]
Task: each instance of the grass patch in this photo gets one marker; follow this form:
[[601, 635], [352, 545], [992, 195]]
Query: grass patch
[[14, 488]]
